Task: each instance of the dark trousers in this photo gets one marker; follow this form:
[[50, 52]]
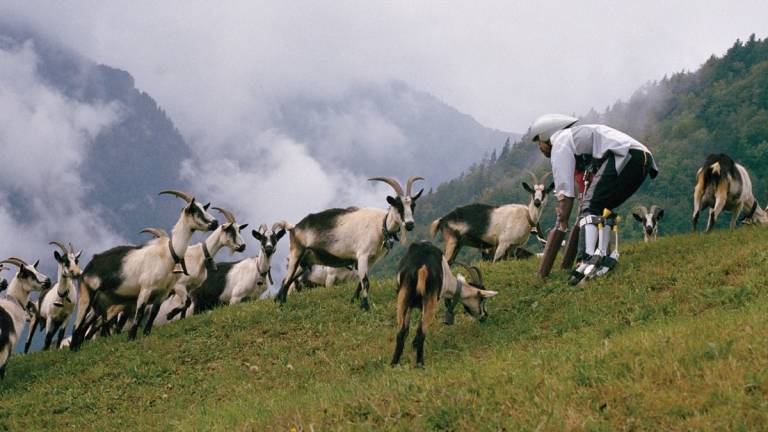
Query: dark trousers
[[610, 189]]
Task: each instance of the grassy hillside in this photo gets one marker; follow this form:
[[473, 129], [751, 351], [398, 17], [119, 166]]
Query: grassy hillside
[[674, 339]]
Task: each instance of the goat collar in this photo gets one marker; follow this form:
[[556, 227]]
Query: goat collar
[[530, 220], [267, 274], [178, 261], [210, 265], [752, 211], [390, 238]]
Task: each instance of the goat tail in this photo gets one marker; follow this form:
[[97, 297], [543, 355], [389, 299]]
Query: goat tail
[[434, 227], [715, 168], [421, 282]]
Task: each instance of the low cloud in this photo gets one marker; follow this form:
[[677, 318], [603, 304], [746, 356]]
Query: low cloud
[[44, 137]]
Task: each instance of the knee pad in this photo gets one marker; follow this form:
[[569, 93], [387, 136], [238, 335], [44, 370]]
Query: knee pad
[[588, 235]]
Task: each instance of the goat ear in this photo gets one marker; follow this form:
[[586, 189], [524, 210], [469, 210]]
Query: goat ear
[[36, 263], [242, 227], [660, 214], [637, 217], [205, 207], [280, 234], [391, 201], [257, 235], [528, 188], [58, 256], [487, 294], [415, 197], [550, 188], [78, 254]]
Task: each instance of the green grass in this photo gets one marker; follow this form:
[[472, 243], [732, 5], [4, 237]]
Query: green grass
[[674, 339]]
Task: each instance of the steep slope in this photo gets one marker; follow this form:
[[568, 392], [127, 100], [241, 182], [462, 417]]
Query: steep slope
[[674, 339]]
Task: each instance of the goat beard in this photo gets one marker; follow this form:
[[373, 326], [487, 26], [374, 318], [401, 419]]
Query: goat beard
[[403, 236]]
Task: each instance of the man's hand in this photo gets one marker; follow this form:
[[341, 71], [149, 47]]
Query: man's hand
[[564, 208]]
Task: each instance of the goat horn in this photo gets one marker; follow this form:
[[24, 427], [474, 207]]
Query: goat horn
[[410, 184], [157, 232], [642, 209], [544, 177], [535, 179], [390, 181], [280, 225], [18, 262], [185, 196], [71, 248], [61, 246], [474, 273], [227, 214], [263, 228]]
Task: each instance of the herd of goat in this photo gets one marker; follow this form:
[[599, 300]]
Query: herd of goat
[[167, 278]]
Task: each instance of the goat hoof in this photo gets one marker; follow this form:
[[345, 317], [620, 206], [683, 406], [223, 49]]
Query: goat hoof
[[364, 304], [419, 365]]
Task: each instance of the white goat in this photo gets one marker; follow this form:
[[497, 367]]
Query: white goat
[[352, 236], [200, 260], [649, 219], [234, 282], [55, 306], [484, 226], [138, 274], [14, 305]]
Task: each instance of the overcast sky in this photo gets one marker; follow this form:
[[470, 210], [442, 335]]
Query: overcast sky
[[221, 68], [503, 62]]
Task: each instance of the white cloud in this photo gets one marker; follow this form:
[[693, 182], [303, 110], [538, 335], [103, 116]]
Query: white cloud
[[44, 136]]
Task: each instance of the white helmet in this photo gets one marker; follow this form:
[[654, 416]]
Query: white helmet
[[546, 125]]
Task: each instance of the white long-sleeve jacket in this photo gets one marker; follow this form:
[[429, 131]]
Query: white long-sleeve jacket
[[595, 140]]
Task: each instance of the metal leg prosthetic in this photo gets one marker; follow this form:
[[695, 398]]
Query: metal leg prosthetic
[[610, 261], [598, 255], [589, 232]]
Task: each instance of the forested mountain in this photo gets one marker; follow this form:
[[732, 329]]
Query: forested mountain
[[721, 107]]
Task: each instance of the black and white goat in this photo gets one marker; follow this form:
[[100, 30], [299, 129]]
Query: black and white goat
[[200, 260], [723, 184], [351, 236], [14, 305], [423, 278], [649, 219], [138, 274], [487, 227], [55, 306], [234, 282]]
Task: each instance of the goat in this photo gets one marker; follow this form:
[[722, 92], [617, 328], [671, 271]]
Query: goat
[[320, 275], [55, 306], [138, 274], [352, 236], [486, 227], [723, 184], [649, 219], [14, 305], [424, 277], [199, 260], [234, 282]]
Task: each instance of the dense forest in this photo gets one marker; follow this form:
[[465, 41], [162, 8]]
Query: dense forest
[[721, 107]]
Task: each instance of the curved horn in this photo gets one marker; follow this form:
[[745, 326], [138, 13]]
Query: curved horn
[[410, 184], [280, 225], [60, 245], [227, 214], [477, 276], [533, 176], [157, 232], [18, 262], [71, 248], [263, 228], [543, 179], [653, 208], [390, 181], [642, 209], [185, 196]]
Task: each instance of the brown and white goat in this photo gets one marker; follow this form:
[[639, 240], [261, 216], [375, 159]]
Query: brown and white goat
[[723, 184], [423, 278], [488, 227], [649, 219]]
